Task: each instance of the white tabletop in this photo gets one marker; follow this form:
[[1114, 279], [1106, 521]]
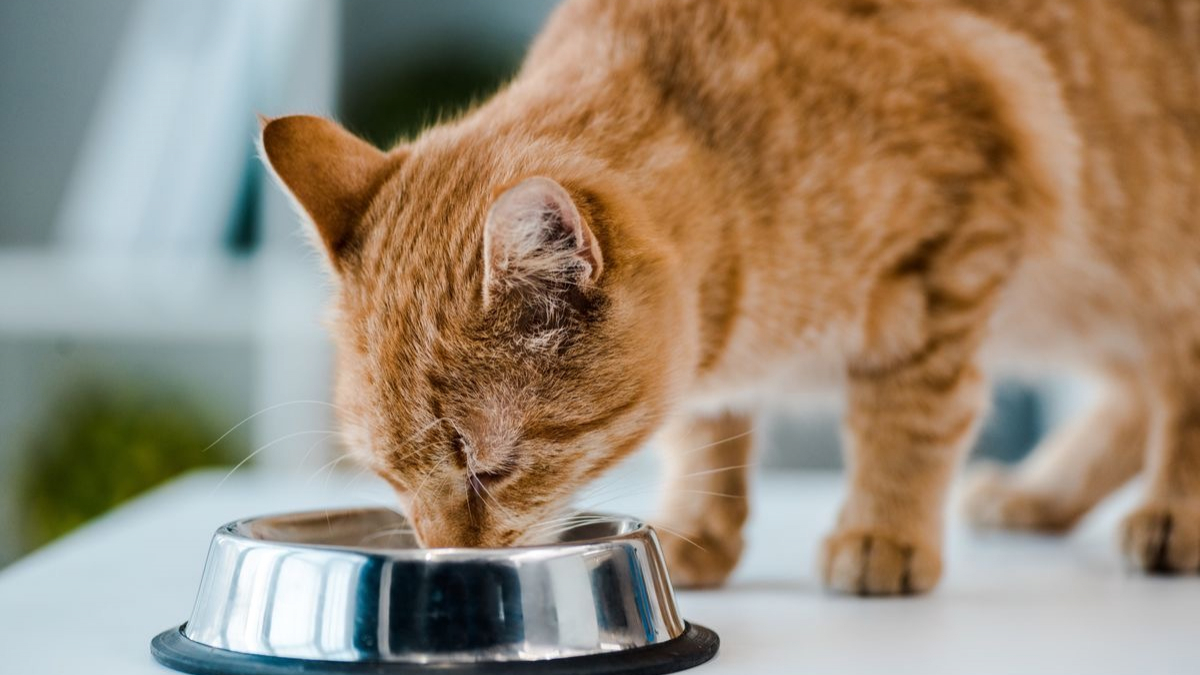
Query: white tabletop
[[1009, 604]]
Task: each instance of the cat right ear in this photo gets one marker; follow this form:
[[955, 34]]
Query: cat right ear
[[330, 173], [536, 237]]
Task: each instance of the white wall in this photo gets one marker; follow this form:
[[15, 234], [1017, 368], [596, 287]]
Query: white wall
[[53, 58]]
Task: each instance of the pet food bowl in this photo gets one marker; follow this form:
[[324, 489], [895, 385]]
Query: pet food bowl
[[351, 592]]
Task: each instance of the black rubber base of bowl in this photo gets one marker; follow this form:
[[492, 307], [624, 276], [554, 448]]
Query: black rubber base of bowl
[[696, 646]]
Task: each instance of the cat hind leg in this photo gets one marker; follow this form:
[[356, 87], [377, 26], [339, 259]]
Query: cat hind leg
[[1070, 471]]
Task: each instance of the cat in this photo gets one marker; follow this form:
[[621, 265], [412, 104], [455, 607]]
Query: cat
[[681, 209]]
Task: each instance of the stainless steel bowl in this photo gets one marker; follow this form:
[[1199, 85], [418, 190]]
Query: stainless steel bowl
[[346, 591]]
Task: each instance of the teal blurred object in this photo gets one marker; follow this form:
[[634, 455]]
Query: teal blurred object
[[103, 443], [1016, 423]]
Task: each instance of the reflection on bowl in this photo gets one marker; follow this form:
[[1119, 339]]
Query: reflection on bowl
[[352, 587]]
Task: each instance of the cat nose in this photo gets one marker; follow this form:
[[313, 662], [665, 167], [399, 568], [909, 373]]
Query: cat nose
[[438, 528], [444, 538], [452, 527], [443, 534], [465, 537]]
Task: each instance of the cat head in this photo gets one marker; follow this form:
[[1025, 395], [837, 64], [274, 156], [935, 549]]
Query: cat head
[[503, 329]]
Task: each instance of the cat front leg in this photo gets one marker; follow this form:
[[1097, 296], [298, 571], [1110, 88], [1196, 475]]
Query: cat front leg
[[905, 433], [705, 497], [1163, 534], [915, 395]]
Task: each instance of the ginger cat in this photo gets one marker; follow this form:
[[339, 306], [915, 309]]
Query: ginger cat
[[681, 208]]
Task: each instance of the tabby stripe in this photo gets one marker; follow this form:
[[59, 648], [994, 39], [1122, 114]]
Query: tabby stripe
[[562, 433]]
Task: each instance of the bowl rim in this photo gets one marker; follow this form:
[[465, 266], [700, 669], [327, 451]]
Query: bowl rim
[[238, 529]]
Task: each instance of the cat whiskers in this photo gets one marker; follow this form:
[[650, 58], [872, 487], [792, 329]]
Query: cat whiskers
[[428, 475], [676, 533], [267, 410], [599, 487], [260, 449], [614, 491], [330, 465], [482, 490], [709, 472], [751, 430], [382, 503], [556, 526], [311, 448], [652, 488], [477, 486], [362, 471], [388, 533], [553, 528], [413, 437]]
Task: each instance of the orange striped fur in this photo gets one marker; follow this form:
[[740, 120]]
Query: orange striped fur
[[681, 209]]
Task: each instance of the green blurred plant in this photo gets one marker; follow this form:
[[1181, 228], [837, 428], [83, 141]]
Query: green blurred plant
[[101, 444]]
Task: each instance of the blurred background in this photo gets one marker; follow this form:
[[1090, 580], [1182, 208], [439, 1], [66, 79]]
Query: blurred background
[[160, 309]]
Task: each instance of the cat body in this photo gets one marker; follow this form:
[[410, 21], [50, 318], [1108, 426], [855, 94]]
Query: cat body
[[680, 209]]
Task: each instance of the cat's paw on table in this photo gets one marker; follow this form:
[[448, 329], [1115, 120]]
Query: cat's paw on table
[[865, 562], [1162, 539], [994, 498], [702, 560]]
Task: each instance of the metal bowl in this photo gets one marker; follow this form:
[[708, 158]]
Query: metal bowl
[[350, 591]]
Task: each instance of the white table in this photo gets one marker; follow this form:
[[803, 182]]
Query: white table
[[1009, 604]]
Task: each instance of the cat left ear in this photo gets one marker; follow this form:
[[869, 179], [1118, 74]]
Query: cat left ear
[[536, 236], [331, 173]]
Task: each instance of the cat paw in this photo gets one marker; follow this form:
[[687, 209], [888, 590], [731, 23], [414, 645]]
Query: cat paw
[[994, 499], [1162, 539], [703, 560], [870, 563]]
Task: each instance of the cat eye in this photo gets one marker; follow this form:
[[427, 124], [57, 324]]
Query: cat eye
[[459, 445], [489, 478], [478, 480]]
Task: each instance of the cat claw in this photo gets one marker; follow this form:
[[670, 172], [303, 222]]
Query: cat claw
[[867, 563], [1162, 540]]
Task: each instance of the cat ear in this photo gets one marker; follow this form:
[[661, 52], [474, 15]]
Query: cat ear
[[534, 236], [331, 173]]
